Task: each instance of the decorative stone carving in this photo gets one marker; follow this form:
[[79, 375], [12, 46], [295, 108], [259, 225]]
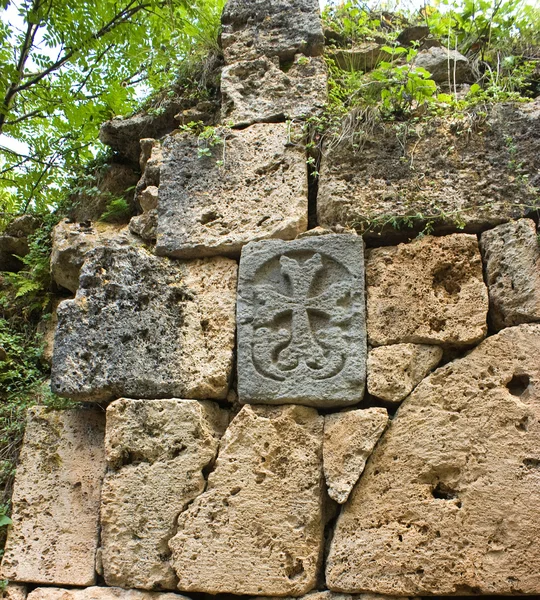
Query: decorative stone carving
[[54, 536], [99, 593], [301, 322]]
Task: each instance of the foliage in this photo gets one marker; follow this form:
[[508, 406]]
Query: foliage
[[117, 211]]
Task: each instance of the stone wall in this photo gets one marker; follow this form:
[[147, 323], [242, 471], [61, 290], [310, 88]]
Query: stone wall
[[268, 410]]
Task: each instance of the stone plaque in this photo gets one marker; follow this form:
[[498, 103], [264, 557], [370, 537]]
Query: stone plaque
[[301, 322]]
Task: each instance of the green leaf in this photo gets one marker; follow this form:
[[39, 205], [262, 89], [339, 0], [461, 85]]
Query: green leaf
[[4, 520]]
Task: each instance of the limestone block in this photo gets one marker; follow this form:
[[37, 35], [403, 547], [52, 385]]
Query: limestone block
[[156, 451], [449, 502], [258, 528], [394, 371], [208, 208], [46, 329], [363, 57], [14, 591], [512, 263], [260, 91], [301, 322], [445, 66], [349, 439], [146, 327], [283, 28], [54, 535], [99, 593], [328, 595], [430, 291], [145, 225]]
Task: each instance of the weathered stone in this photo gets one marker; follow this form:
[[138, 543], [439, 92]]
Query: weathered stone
[[414, 33], [54, 535], [260, 191], [512, 263], [100, 593], [328, 595], [14, 245], [301, 322], [449, 502], [349, 439], [258, 528], [363, 57], [445, 65], [145, 225], [22, 226], [430, 291], [156, 451], [283, 28], [394, 371], [13, 591], [259, 91], [146, 327], [448, 172], [47, 328]]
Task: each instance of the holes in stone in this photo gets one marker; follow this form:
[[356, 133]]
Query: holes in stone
[[523, 424], [531, 463], [235, 491], [518, 384], [443, 492], [260, 477], [209, 216], [285, 64], [294, 570]]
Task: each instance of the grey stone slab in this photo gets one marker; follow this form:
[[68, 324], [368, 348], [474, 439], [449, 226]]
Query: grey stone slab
[[301, 322]]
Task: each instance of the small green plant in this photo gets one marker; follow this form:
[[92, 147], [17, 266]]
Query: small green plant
[[117, 211]]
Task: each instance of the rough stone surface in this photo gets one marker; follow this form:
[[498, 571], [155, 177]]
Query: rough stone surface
[[445, 65], [449, 502], [54, 535], [145, 225], [283, 28], [349, 439], [430, 291], [146, 327], [452, 172], [394, 371], [301, 322], [100, 593], [47, 328], [328, 595], [260, 192], [13, 591], [258, 528], [259, 91], [363, 57], [156, 451], [512, 263]]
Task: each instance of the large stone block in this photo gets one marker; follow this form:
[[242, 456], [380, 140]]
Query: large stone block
[[258, 528], [430, 291], [146, 327], [474, 172], [260, 91], [156, 451], [99, 593], [208, 208], [54, 536], [449, 502], [512, 263], [301, 322]]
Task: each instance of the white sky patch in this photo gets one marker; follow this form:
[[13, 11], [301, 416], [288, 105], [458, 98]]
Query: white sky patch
[[12, 144]]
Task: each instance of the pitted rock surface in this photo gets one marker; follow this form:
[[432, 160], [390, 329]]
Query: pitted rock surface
[[259, 192], [283, 28], [99, 593], [449, 502], [54, 536], [259, 91], [258, 527], [349, 439], [445, 66], [301, 322], [14, 591], [512, 263], [394, 371], [146, 327], [430, 291], [156, 451]]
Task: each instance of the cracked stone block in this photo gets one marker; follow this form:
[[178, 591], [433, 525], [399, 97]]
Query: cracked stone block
[[54, 536], [258, 528], [259, 192], [349, 439], [449, 503], [156, 451], [511, 255], [301, 322], [142, 326], [394, 371], [283, 28], [328, 595], [430, 291], [99, 593], [259, 91]]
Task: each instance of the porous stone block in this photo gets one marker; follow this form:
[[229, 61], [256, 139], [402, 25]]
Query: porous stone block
[[142, 326], [258, 527], [430, 291], [283, 28], [258, 90], [99, 593], [394, 371], [511, 255], [260, 191], [349, 439], [449, 503], [445, 65], [14, 591], [156, 451], [301, 322], [54, 536], [328, 595]]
